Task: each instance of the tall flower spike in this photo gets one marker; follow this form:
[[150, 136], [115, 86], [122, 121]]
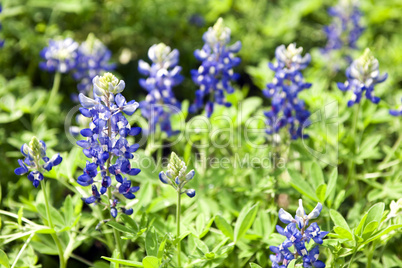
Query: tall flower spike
[[60, 56], [36, 161], [162, 76], [92, 59], [298, 233], [286, 107], [215, 74], [362, 75], [345, 29], [106, 144], [176, 175]]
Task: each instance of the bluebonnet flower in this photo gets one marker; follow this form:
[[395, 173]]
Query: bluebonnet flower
[[176, 175], [106, 144], [1, 40], [298, 233], [362, 75], [345, 29], [92, 59], [397, 112], [162, 76], [36, 161], [60, 56], [215, 74], [286, 107]]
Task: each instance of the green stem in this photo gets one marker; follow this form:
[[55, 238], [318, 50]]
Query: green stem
[[55, 88], [370, 254], [352, 258], [178, 213], [50, 224]]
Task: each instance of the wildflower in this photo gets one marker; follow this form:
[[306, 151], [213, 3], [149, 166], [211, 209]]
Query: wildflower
[[60, 56], [36, 161], [215, 74], [1, 40], [397, 112], [298, 233], [176, 175], [162, 76], [105, 143], [345, 29], [286, 107], [362, 75], [92, 59]]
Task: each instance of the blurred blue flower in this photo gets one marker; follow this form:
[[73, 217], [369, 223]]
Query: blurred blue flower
[[345, 29], [1, 40], [36, 161], [298, 234], [215, 74], [60, 56], [92, 59], [105, 142], [362, 75], [286, 107], [397, 112], [162, 76]]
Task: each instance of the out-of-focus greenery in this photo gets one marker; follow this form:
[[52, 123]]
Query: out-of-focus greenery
[[129, 28]]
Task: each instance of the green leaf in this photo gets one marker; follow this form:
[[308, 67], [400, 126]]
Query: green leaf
[[124, 262], [68, 211], [301, 185], [253, 265], [338, 219], [383, 232], [320, 192], [244, 221], [224, 226], [292, 264], [161, 249], [359, 228], [343, 233], [150, 262], [339, 199], [4, 259], [370, 227], [129, 222], [151, 242], [20, 214], [374, 214], [332, 183], [317, 177], [119, 227]]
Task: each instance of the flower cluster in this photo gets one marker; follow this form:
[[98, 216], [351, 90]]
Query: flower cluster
[[36, 161], [176, 175], [298, 234], [286, 107], [215, 74], [92, 59], [106, 144], [345, 29], [162, 76], [397, 112], [362, 75], [84, 61]]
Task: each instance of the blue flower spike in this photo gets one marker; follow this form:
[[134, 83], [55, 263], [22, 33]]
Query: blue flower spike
[[105, 144], [362, 75], [162, 75], [36, 161], [60, 56], [92, 59], [176, 175], [397, 112], [298, 234], [345, 29], [287, 110], [215, 74]]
